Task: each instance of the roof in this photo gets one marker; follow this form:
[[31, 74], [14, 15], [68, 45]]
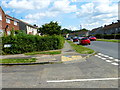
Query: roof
[[28, 24], [106, 27], [12, 18], [114, 25]]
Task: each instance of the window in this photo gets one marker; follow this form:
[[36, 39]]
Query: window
[[15, 22], [0, 16], [8, 20]]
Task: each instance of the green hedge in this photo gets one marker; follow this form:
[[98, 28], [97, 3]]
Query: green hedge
[[108, 36], [29, 43]]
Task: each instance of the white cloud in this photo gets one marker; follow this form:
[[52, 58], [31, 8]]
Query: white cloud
[[73, 28], [26, 4], [98, 13], [63, 6], [41, 15]]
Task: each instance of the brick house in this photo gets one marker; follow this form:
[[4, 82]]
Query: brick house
[[7, 23]]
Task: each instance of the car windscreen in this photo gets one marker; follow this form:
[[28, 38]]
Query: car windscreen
[[84, 38]]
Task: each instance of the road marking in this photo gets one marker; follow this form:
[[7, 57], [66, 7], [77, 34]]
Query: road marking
[[115, 64], [110, 57], [81, 80], [96, 55], [103, 58], [100, 54], [108, 61], [117, 60], [104, 55]]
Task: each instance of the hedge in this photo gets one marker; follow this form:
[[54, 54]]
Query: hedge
[[29, 43], [108, 36]]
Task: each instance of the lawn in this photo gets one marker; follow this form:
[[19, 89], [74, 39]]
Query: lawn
[[44, 52], [81, 49], [107, 40], [6, 61]]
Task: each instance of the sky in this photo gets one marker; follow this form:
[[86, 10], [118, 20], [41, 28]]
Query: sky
[[70, 14]]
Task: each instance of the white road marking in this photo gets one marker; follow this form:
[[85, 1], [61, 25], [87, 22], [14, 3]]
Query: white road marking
[[96, 55], [115, 64], [108, 61], [117, 60], [106, 56], [110, 57], [80, 80], [103, 58], [100, 54]]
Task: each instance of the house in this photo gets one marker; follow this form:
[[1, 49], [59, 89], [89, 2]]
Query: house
[[28, 28], [113, 28], [7, 23]]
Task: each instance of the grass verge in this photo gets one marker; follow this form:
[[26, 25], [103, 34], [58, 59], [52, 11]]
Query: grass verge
[[106, 40], [6, 61], [44, 52], [80, 49]]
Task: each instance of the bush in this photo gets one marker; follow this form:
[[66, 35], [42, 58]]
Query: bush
[[108, 36], [22, 43]]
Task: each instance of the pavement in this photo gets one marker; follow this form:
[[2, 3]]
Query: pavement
[[67, 55]]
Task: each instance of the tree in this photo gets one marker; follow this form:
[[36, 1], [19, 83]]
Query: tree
[[51, 28]]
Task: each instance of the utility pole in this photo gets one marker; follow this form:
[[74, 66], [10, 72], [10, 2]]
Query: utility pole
[[80, 27]]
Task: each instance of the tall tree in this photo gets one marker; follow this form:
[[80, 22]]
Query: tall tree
[[51, 28]]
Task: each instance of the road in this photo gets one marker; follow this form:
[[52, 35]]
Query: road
[[91, 73], [99, 71], [107, 48]]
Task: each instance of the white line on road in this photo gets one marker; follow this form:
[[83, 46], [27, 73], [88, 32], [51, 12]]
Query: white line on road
[[80, 80], [117, 60], [108, 61], [115, 64], [103, 58], [110, 57]]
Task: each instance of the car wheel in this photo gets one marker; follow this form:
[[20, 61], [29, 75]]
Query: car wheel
[[89, 43]]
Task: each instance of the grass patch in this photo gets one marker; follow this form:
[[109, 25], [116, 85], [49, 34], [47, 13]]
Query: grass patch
[[107, 40], [6, 61], [44, 52], [81, 49]]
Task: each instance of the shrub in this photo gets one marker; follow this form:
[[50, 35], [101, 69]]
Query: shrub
[[108, 36], [23, 43]]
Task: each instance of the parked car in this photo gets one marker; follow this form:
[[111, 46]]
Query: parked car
[[92, 38], [85, 41], [80, 38], [68, 38], [75, 39]]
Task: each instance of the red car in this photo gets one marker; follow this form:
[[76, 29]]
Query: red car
[[75, 40], [92, 38], [85, 41]]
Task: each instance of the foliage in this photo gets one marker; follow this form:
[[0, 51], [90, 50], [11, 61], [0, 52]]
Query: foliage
[[22, 43], [108, 36], [44, 52], [107, 40], [21, 60], [80, 49], [51, 28]]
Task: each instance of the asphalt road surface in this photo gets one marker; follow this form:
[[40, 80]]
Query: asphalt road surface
[[91, 73], [107, 48]]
